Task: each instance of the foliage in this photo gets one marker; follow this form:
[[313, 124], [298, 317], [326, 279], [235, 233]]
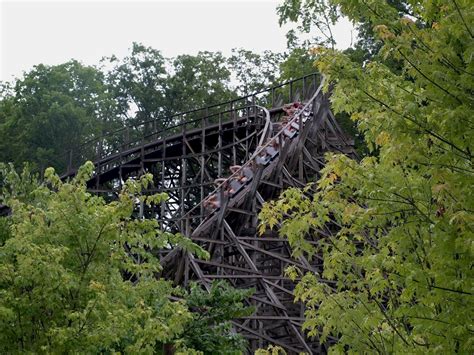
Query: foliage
[[254, 72], [51, 110], [309, 15], [316, 20], [149, 86], [54, 109], [298, 63], [138, 82], [198, 81], [214, 310], [80, 274], [271, 350], [77, 273], [395, 230]]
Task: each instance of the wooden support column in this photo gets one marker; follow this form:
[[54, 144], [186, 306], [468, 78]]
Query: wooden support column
[[204, 122], [162, 187], [188, 157], [219, 144], [234, 134], [142, 171], [183, 175]]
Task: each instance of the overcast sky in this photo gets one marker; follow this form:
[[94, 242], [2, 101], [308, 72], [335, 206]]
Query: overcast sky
[[52, 32]]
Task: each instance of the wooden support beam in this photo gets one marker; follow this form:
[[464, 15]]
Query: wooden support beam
[[186, 160]]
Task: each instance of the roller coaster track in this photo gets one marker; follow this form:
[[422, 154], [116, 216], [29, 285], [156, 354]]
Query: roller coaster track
[[218, 166]]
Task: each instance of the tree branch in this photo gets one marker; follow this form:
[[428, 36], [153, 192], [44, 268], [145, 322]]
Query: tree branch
[[462, 18]]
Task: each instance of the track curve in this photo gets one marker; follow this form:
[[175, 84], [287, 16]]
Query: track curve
[[218, 169]]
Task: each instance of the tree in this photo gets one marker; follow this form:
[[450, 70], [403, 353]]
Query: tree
[[315, 22], [271, 350], [151, 88], [254, 72], [395, 230], [198, 81], [139, 82], [61, 272], [52, 109], [210, 329], [298, 63], [311, 17], [78, 274]]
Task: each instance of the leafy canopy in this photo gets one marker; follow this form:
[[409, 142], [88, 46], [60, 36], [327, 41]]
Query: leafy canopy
[[51, 110], [79, 274], [210, 329], [395, 230]]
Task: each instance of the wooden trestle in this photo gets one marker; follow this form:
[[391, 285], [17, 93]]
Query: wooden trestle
[[278, 147]]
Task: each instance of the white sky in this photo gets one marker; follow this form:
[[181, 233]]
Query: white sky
[[52, 32]]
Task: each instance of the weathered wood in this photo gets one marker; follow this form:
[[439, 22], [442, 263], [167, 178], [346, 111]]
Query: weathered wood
[[187, 159]]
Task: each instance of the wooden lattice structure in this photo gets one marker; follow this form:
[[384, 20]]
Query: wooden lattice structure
[[219, 165]]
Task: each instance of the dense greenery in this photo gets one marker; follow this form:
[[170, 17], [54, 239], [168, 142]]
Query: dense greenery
[[315, 22], [395, 229], [79, 274], [53, 109], [210, 330], [148, 86]]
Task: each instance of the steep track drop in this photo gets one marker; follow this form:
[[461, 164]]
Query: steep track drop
[[219, 165]]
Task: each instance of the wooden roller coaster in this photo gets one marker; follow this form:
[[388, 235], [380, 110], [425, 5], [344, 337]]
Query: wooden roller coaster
[[218, 165]]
